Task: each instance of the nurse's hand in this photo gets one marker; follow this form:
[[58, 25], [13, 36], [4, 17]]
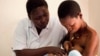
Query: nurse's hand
[[55, 50]]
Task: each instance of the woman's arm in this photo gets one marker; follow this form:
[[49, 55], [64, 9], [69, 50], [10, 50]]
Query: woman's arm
[[91, 45]]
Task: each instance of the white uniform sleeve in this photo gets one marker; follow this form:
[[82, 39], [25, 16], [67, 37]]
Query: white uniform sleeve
[[19, 41]]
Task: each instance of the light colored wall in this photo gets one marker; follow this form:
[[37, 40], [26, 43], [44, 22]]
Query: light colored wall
[[12, 11], [94, 16], [84, 8]]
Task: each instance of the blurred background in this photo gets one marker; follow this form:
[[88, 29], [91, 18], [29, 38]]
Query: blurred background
[[12, 11]]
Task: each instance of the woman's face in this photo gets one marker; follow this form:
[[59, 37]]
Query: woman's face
[[40, 17], [72, 24]]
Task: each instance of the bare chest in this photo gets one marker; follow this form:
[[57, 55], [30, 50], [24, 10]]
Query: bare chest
[[81, 41]]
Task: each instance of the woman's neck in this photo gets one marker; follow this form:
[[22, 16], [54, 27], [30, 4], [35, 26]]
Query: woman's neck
[[82, 29]]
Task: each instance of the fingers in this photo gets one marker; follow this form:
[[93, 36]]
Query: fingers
[[55, 50], [60, 52], [63, 52], [59, 55]]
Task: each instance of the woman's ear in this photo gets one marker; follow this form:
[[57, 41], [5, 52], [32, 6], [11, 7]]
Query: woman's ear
[[80, 15]]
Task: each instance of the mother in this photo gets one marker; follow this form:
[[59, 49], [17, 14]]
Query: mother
[[81, 37]]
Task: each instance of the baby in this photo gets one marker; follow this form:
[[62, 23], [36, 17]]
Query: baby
[[75, 50]]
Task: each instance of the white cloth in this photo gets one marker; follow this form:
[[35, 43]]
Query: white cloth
[[74, 53], [26, 36]]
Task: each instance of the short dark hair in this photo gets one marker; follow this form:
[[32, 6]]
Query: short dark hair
[[33, 4], [68, 8]]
